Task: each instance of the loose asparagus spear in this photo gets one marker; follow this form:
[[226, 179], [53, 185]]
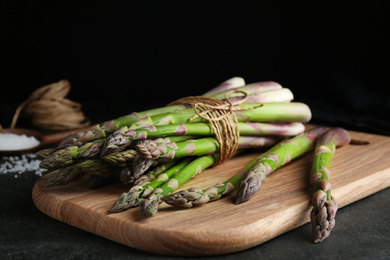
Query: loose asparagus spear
[[149, 205], [285, 152], [324, 204], [275, 157], [133, 197]]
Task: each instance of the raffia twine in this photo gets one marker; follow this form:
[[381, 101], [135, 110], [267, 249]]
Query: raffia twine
[[51, 110], [220, 114]]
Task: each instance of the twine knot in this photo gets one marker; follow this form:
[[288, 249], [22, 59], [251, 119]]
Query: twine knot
[[220, 114]]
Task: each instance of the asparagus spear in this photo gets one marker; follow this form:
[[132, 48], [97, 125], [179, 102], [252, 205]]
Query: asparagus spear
[[134, 195], [121, 159], [155, 172], [106, 128], [201, 129], [65, 175], [324, 204], [141, 165], [250, 89], [103, 129], [282, 154], [269, 112], [71, 154], [98, 167], [255, 112], [149, 205], [282, 95], [60, 158], [196, 147], [275, 157], [150, 150], [229, 84], [45, 153]]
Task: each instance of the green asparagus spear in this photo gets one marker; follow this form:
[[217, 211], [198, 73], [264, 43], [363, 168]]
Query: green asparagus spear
[[229, 84], [124, 137], [196, 147], [149, 206], [264, 165], [70, 155], [148, 149], [121, 159], [99, 131], [133, 197], [324, 204], [275, 157]]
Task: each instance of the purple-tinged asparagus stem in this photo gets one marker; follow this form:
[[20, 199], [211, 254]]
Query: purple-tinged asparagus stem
[[42, 154], [72, 140], [229, 84], [324, 204], [155, 172], [141, 165], [250, 89], [282, 95], [273, 159]]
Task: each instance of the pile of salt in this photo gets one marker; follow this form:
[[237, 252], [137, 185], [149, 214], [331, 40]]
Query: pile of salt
[[18, 165], [10, 142]]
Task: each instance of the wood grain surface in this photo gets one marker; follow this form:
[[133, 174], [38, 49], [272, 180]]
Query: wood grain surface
[[221, 227]]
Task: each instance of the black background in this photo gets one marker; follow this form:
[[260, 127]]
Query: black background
[[125, 56]]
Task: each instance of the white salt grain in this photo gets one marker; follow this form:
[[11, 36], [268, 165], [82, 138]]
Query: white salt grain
[[18, 165], [9, 142]]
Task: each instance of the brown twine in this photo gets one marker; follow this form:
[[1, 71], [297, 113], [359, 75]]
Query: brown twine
[[51, 110], [217, 113]]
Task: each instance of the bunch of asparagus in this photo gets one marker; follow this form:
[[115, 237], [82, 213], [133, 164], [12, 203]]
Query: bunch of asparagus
[[158, 150]]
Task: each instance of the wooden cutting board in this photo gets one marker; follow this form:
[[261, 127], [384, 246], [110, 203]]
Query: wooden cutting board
[[221, 227]]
